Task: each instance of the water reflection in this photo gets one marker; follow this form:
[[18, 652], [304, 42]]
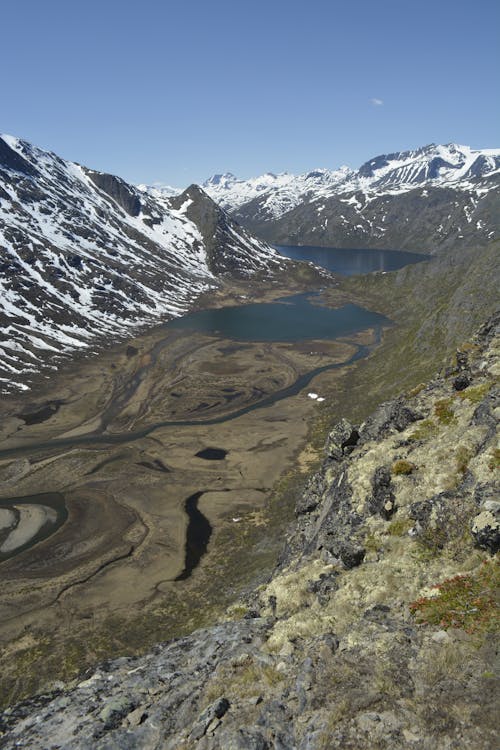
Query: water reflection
[[352, 262]]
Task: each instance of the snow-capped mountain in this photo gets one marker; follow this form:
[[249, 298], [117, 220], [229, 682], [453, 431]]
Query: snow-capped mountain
[[281, 192], [416, 199], [86, 257]]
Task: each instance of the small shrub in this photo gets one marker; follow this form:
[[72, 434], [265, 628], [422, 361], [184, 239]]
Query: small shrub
[[402, 467], [372, 543], [444, 412], [466, 601]]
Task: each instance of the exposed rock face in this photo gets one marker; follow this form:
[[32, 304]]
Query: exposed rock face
[[117, 189], [341, 440], [376, 628], [227, 244]]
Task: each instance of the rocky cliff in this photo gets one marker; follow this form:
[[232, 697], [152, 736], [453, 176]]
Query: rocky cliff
[[377, 628]]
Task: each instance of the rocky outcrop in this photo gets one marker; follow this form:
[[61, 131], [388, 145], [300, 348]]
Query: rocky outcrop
[[375, 630], [117, 189]]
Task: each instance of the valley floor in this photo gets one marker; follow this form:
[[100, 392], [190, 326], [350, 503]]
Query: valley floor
[[118, 436]]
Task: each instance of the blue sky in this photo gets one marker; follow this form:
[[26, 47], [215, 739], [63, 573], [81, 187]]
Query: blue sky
[[174, 92]]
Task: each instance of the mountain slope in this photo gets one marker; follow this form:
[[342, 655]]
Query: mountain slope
[[416, 199], [85, 257]]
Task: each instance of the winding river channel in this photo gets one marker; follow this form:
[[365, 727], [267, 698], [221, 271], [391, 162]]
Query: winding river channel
[[293, 318]]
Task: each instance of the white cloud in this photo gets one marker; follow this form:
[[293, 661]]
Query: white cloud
[[376, 102]]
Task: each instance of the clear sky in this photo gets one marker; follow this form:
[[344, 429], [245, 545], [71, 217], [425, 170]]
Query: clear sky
[[174, 91]]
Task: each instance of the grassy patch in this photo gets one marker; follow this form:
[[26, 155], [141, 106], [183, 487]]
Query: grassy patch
[[475, 393], [415, 391], [467, 602], [444, 412], [241, 680], [427, 429]]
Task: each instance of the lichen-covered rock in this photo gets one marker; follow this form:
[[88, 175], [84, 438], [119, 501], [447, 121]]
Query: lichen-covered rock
[[393, 416], [486, 530], [383, 499], [311, 496]]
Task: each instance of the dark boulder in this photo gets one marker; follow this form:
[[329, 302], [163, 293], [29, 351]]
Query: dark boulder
[[341, 440], [461, 382]]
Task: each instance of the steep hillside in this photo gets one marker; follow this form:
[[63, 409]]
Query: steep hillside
[[417, 200], [377, 629], [86, 258]]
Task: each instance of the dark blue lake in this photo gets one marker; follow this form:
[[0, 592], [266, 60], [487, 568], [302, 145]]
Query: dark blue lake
[[293, 318], [351, 262]]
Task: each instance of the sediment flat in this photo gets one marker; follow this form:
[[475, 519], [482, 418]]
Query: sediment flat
[[125, 486]]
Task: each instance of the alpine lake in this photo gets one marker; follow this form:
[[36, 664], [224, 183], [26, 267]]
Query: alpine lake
[[136, 485]]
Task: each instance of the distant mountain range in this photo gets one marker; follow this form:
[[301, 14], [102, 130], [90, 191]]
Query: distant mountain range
[[86, 257], [416, 200]]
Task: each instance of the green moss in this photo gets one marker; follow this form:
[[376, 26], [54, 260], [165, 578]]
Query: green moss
[[476, 393], [237, 611], [426, 429], [401, 466], [444, 412], [494, 462], [399, 526], [467, 602]]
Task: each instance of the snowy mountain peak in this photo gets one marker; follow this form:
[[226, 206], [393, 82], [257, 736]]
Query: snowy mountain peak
[[221, 179], [270, 197], [86, 257]]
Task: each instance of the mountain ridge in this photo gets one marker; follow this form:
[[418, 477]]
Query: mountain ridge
[[369, 207], [86, 256]]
